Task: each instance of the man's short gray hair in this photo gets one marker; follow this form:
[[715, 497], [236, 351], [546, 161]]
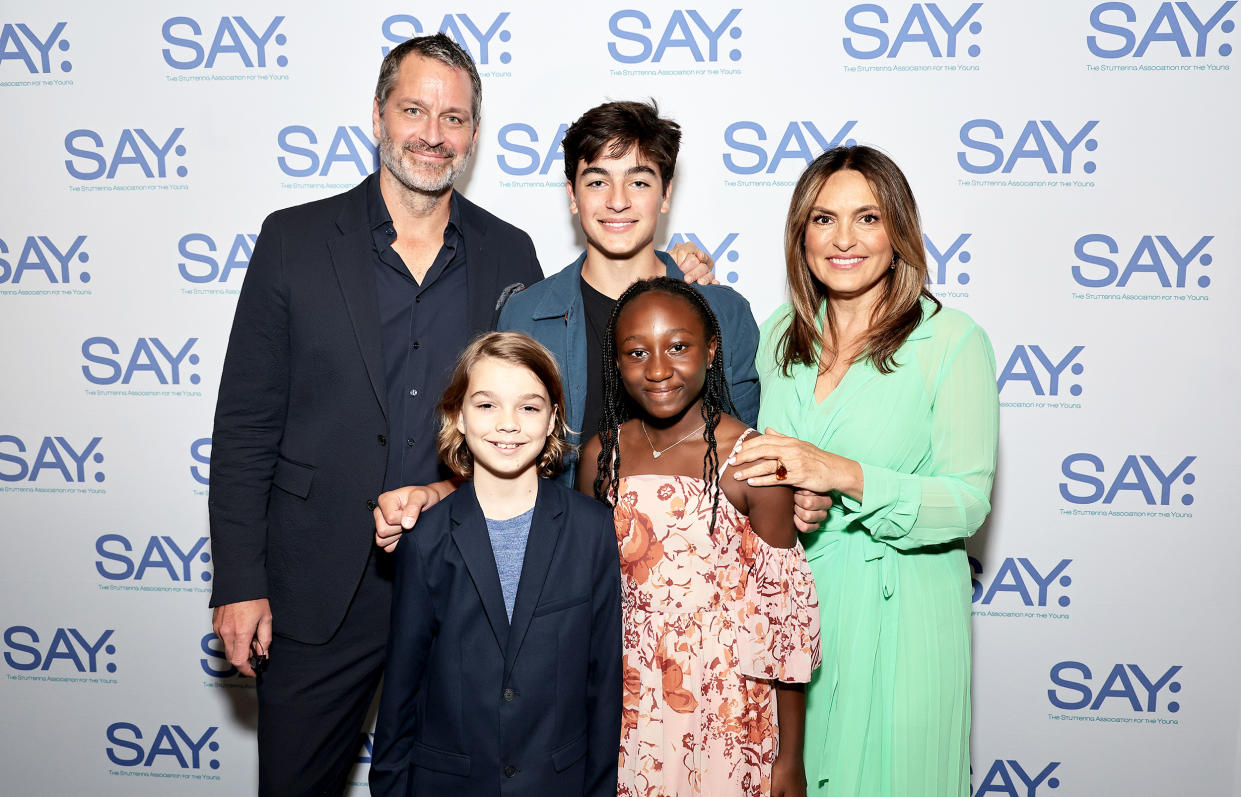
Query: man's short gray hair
[[437, 47]]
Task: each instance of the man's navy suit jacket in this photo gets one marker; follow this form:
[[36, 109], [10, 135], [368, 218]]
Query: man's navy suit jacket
[[474, 705], [298, 448]]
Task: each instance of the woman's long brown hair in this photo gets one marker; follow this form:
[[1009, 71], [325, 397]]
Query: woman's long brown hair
[[898, 310]]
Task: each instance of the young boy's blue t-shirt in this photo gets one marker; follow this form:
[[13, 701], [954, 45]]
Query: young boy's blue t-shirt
[[508, 545]]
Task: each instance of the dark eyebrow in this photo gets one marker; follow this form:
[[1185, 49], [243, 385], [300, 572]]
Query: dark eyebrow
[[681, 330], [632, 170], [863, 209]]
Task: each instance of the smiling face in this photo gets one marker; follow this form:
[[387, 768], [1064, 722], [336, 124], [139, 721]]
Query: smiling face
[[505, 418], [662, 352], [619, 201], [426, 131], [846, 244]]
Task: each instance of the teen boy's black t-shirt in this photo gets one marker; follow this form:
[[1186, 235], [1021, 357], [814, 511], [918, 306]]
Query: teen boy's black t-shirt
[[598, 309]]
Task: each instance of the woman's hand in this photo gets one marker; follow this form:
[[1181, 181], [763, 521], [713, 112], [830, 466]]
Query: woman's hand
[[805, 466]]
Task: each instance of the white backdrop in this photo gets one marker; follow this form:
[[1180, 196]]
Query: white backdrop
[[1076, 165]]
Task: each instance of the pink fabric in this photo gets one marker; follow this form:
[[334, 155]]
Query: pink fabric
[[710, 620]]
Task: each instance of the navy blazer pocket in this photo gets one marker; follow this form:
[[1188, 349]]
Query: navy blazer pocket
[[566, 755], [293, 478], [559, 604], [429, 757]]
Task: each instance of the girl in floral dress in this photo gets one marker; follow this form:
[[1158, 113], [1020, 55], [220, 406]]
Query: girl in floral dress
[[720, 612]]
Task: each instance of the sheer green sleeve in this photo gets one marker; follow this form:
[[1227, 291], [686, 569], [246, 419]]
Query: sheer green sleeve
[[949, 497]]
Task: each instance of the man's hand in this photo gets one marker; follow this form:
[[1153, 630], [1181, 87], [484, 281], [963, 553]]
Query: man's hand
[[695, 263], [398, 511], [810, 509], [244, 628]]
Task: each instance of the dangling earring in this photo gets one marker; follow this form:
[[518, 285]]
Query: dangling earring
[[892, 265]]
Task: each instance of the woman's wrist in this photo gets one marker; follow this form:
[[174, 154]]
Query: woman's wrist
[[852, 478], [838, 474]]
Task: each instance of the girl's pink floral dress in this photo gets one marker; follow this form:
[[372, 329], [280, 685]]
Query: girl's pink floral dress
[[710, 622]]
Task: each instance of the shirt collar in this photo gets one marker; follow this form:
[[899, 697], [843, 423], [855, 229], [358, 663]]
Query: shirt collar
[[561, 292], [377, 214]]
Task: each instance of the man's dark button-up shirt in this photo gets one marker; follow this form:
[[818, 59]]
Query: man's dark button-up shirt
[[424, 328]]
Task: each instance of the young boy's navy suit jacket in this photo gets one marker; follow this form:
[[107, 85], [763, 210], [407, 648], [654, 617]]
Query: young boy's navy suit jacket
[[474, 705]]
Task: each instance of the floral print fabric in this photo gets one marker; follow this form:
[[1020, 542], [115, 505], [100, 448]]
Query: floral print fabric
[[710, 621]]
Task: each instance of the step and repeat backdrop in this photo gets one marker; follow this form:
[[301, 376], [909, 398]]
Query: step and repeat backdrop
[[1076, 165]]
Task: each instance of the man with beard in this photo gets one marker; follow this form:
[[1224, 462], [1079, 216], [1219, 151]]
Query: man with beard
[[351, 316]]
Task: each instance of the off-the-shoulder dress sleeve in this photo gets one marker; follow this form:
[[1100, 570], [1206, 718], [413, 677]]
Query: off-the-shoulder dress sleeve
[[778, 636]]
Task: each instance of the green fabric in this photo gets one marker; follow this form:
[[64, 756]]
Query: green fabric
[[888, 713]]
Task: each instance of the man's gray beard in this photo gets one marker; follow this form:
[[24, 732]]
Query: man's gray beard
[[388, 153]]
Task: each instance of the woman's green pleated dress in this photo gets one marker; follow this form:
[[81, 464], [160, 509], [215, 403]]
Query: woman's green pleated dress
[[888, 713]]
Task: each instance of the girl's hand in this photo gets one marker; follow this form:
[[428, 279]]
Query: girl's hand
[[788, 776], [805, 466]]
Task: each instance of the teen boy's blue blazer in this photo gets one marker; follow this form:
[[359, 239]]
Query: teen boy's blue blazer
[[472, 705]]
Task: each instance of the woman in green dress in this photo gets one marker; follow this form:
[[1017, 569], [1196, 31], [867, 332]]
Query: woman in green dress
[[875, 394]]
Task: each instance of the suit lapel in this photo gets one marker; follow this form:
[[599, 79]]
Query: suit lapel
[[545, 528], [351, 255], [482, 275], [469, 532]]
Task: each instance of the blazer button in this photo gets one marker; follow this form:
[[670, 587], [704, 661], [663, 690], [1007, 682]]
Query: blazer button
[[510, 771], [509, 694], [383, 441], [372, 504]]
